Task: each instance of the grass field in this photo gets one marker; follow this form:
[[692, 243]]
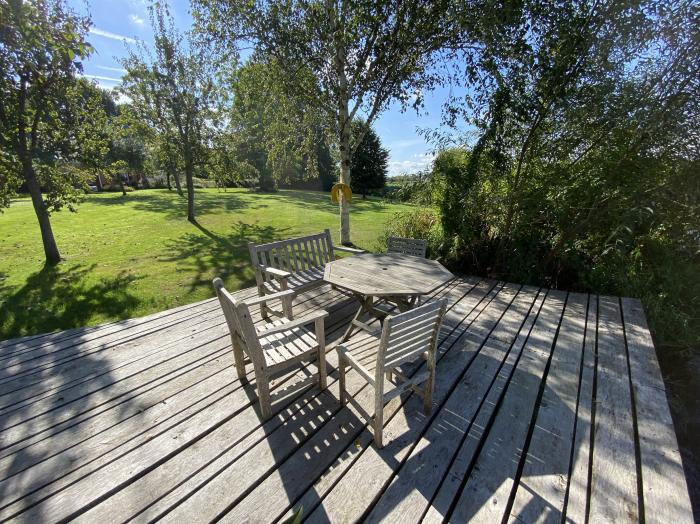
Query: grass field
[[134, 255]]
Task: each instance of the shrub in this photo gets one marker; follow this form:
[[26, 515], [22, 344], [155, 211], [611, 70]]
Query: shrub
[[202, 183]]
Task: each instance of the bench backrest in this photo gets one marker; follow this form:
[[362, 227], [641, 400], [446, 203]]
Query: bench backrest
[[407, 246], [406, 336], [294, 254]]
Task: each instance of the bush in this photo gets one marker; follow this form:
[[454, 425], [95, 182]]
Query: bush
[[202, 183], [417, 190], [116, 188]]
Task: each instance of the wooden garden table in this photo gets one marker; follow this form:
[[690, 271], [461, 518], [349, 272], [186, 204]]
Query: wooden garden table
[[397, 278]]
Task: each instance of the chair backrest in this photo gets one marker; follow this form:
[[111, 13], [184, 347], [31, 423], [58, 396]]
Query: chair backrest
[[407, 246], [294, 254], [240, 323], [407, 336]]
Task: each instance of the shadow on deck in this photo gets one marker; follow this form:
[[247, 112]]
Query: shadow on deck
[[548, 405]]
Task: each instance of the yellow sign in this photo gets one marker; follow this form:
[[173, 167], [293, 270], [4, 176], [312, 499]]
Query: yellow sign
[[337, 189]]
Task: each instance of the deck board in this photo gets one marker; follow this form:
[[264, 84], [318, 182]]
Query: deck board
[[546, 405]]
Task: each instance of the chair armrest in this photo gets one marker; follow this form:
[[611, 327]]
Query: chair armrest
[[347, 249], [266, 298], [274, 272], [302, 321]]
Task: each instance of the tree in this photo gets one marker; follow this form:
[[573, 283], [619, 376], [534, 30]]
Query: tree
[[583, 155], [363, 54], [126, 135], [577, 98], [178, 93], [46, 112], [279, 135], [369, 161]]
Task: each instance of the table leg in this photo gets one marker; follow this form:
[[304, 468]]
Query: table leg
[[363, 308], [403, 304]]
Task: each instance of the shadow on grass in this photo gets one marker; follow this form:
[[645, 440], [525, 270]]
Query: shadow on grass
[[321, 201], [174, 205], [61, 298], [208, 255]]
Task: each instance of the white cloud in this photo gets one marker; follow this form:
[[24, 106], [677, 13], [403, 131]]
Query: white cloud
[[104, 78], [112, 36], [136, 20], [417, 163], [113, 69]]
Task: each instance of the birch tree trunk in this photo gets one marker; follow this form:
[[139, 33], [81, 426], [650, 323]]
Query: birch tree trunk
[[344, 173], [344, 131], [189, 174]]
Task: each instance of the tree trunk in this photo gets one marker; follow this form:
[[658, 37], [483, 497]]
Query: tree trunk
[[53, 257], [178, 186], [344, 130], [189, 174], [167, 180]]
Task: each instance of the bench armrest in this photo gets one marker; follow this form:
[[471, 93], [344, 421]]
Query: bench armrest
[[347, 249], [302, 321], [266, 298], [274, 272]]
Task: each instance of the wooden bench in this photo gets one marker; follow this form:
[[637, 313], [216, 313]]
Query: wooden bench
[[296, 264]]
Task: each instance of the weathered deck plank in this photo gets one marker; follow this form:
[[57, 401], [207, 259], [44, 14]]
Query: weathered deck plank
[[542, 408], [662, 479], [613, 487], [541, 487]]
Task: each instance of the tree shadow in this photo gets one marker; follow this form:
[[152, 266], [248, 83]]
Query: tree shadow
[[45, 381], [60, 297], [175, 206], [64, 397], [208, 255], [485, 384], [321, 201]]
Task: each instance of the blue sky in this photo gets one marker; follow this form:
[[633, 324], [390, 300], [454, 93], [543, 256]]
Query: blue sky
[[119, 23]]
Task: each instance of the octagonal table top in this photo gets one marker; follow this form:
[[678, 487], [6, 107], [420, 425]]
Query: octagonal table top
[[389, 274]]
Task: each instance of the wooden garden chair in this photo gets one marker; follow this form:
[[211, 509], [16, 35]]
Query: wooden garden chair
[[403, 338], [275, 346], [416, 247]]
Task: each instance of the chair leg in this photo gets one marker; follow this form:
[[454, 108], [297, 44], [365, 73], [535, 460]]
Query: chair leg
[[263, 386], [321, 340], [238, 359], [379, 420], [429, 387], [263, 311], [341, 373], [388, 375]]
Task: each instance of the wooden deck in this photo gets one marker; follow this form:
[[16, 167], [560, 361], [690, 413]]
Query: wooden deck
[[548, 406]]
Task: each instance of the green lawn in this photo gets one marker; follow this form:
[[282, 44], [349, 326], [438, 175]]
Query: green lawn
[[134, 255]]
